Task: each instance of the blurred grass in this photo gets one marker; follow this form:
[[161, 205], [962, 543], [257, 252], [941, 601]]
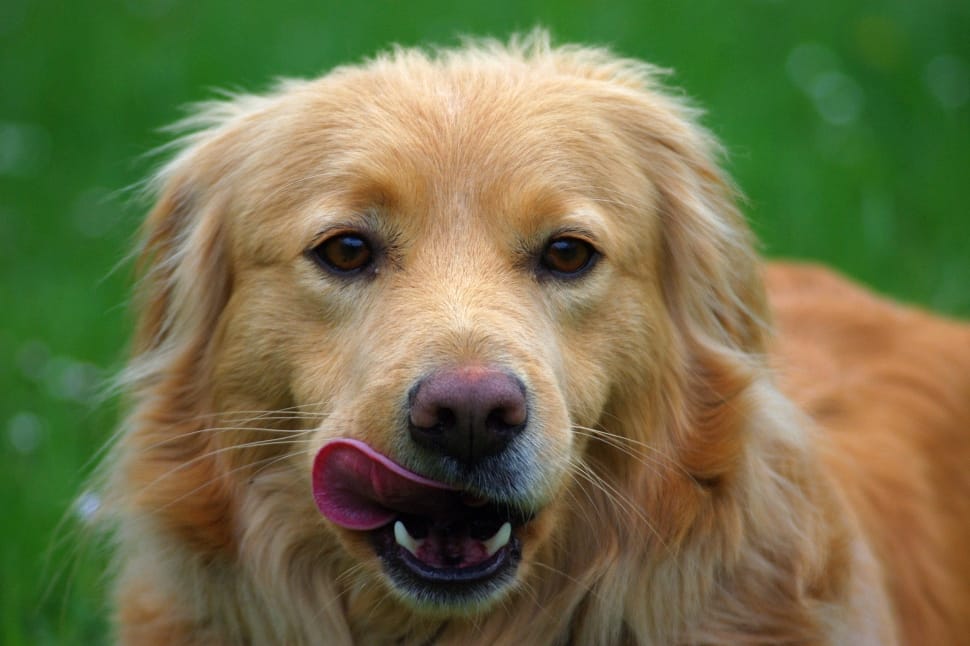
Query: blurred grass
[[847, 125]]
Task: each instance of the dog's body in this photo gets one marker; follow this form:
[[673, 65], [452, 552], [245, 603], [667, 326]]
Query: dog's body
[[889, 389], [475, 349]]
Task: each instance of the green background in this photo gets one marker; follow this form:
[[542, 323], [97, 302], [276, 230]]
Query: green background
[[846, 122]]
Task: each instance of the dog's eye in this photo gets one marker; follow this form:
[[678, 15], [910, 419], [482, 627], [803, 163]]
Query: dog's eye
[[345, 253], [568, 257]]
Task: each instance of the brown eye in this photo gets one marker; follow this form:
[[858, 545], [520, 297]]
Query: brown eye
[[345, 253], [568, 257]]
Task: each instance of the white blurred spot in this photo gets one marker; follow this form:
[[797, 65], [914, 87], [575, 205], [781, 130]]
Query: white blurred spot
[[949, 80], [24, 149], [72, 380], [24, 432], [87, 506], [815, 69], [838, 98], [807, 62]]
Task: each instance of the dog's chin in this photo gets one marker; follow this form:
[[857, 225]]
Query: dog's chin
[[459, 565]]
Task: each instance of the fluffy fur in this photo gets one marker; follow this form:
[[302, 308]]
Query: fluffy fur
[[699, 479]]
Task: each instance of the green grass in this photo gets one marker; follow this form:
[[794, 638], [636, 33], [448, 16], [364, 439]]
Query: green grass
[[848, 126]]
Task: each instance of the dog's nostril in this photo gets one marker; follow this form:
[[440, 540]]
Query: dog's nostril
[[467, 413], [506, 417], [446, 419]]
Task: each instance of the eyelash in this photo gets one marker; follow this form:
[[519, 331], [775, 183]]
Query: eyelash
[[567, 257], [344, 253]]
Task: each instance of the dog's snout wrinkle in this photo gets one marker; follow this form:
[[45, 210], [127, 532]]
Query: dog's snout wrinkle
[[467, 413]]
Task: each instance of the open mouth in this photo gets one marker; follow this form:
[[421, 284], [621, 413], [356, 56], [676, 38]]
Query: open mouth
[[439, 544]]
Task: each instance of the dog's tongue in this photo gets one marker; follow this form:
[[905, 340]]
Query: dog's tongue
[[358, 488]]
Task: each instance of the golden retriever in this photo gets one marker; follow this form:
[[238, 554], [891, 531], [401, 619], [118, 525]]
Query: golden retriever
[[473, 347]]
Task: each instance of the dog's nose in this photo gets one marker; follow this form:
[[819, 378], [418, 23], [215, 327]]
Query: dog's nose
[[467, 413]]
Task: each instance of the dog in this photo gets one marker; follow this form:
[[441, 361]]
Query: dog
[[473, 346]]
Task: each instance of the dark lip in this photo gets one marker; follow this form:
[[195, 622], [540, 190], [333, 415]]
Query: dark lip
[[446, 588], [451, 587], [472, 574]]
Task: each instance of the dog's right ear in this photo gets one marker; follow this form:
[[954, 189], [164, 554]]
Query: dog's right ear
[[184, 272], [185, 281], [183, 260]]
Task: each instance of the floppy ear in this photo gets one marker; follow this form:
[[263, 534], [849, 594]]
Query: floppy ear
[[711, 282], [184, 262], [185, 283], [712, 277], [185, 271]]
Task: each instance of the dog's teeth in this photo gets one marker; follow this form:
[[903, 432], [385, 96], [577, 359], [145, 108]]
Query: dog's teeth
[[405, 540], [500, 540]]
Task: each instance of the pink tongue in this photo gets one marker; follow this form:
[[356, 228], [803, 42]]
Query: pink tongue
[[358, 488]]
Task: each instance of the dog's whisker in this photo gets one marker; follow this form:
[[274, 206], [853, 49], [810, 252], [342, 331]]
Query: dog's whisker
[[258, 465], [620, 440], [617, 497], [529, 590], [586, 508], [646, 459], [347, 574], [290, 435], [281, 458], [631, 506], [583, 585], [655, 457], [239, 426], [295, 409], [383, 596], [255, 414], [624, 502], [208, 455]]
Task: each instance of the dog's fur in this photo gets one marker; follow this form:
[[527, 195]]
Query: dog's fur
[[699, 479]]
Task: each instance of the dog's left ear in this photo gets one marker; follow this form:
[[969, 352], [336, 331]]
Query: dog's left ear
[[712, 274], [711, 281]]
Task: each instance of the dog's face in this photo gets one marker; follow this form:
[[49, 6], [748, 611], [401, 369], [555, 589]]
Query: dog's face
[[454, 288], [453, 272]]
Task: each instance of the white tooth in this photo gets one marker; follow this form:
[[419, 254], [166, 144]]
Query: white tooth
[[500, 540], [405, 540]]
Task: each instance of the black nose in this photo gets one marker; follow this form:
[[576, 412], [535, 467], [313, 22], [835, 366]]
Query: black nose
[[467, 413]]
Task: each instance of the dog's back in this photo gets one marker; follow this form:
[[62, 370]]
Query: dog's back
[[890, 388]]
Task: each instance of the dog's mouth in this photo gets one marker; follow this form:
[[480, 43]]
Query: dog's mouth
[[440, 545]]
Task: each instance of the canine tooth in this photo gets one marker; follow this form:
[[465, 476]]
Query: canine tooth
[[405, 540], [500, 540]]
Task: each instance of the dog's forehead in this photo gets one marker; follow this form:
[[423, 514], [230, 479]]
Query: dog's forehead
[[477, 130], [493, 146]]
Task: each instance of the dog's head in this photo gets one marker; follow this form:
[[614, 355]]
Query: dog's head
[[453, 314]]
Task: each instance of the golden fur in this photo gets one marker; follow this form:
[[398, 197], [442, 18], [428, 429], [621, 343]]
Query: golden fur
[[699, 479]]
